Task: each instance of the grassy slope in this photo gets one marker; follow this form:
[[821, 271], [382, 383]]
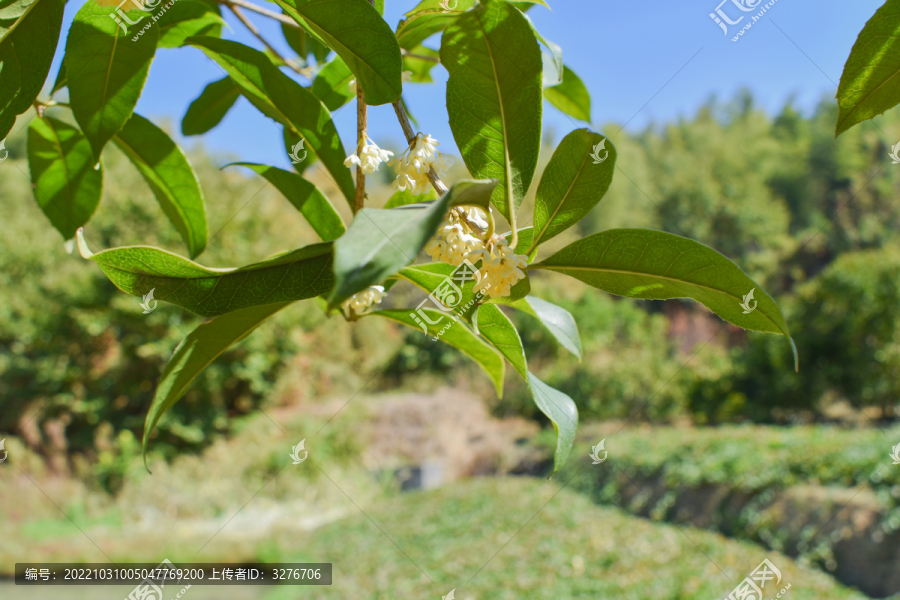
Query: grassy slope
[[453, 532]]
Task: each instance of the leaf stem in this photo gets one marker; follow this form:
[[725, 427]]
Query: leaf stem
[[249, 24], [436, 182]]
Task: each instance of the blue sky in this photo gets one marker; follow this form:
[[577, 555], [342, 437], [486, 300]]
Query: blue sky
[[642, 62]]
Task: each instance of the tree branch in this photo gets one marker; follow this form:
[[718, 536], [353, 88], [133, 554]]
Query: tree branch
[[249, 24], [362, 118], [264, 11]]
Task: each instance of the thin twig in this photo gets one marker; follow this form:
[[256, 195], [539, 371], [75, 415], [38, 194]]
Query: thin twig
[[249, 24], [362, 117], [436, 182], [265, 12], [409, 54]]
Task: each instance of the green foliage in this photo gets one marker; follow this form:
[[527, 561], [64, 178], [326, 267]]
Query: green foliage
[[66, 185], [210, 107], [494, 98], [111, 72], [187, 18], [570, 96], [869, 84], [169, 174], [332, 84]]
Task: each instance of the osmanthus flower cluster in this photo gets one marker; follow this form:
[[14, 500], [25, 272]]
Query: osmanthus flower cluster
[[494, 109]]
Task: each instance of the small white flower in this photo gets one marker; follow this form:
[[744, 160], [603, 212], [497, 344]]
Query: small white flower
[[363, 302], [406, 76], [457, 239], [417, 161], [369, 159], [501, 267]]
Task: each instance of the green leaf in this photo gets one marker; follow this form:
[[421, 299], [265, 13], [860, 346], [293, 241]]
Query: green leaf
[[458, 335], [654, 265], [360, 36], [570, 96], [304, 44], [558, 321], [406, 197], [27, 46], [332, 84], [426, 19], [187, 18], [494, 98], [421, 68], [305, 197], [573, 183], [66, 185], [870, 83], [167, 171], [13, 9], [210, 107], [62, 78], [281, 98], [136, 270], [196, 352], [381, 242], [496, 327], [111, 70]]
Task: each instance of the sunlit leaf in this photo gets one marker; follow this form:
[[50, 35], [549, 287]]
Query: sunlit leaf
[[421, 67], [494, 98], [558, 321], [332, 84], [360, 36], [196, 352], [170, 176], [111, 70], [571, 96], [208, 292], [574, 181], [428, 18], [654, 265], [187, 18], [66, 185], [870, 83]]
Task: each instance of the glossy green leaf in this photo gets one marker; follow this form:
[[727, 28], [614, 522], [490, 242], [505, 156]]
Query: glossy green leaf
[[305, 44], [332, 84], [457, 335], [558, 321], [281, 98], [380, 242], [870, 83], [360, 36], [496, 327], [210, 107], [196, 352], [306, 198], [571, 96], [406, 197], [187, 18], [66, 185], [494, 98], [421, 67], [111, 70], [654, 265], [576, 178], [61, 78], [27, 46], [297, 275], [13, 9], [428, 18], [170, 176]]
